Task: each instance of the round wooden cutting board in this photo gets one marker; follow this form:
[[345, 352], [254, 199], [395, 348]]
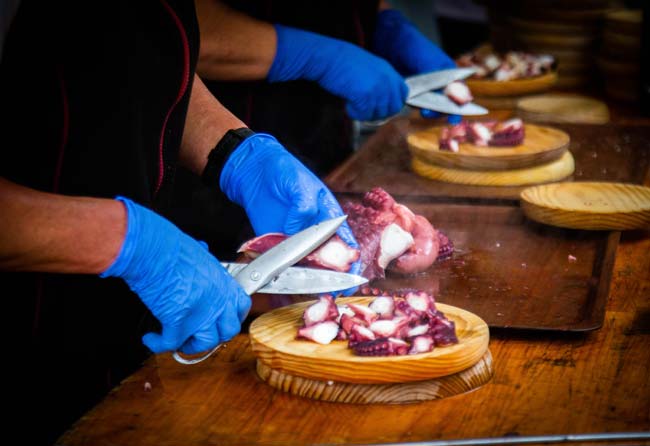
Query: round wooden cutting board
[[544, 173], [589, 205], [273, 340], [541, 145]]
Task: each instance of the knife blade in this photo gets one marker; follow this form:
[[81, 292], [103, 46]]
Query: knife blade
[[268, 265], [421, 83], [300, 280], [441, 103]]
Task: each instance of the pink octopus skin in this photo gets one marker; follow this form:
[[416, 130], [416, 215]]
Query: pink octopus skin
[[424, 251]]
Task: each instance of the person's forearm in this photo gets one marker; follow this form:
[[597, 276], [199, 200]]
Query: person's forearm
[[207, 122], [56, 233], [234, 46]]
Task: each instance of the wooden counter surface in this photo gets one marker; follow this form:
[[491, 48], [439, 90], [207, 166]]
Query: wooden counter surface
[[544, 382]]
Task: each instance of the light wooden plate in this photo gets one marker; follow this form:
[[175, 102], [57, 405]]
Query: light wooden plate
[[541, 145], [273, 339], [554, 171], [589, 205], [563, 108], [516, 87]]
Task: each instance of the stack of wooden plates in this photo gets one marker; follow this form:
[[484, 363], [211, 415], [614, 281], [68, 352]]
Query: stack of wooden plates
[[568, 30], [562, 108], [620, 55], [542, 158]]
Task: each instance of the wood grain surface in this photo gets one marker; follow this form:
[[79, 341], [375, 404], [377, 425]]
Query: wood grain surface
[[589, 205], [563, 108], [541, 145], [543, 384], [551, 171], [273, 338], [392, 393]]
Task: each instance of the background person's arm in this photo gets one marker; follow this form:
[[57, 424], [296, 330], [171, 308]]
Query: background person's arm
[[234, 46]]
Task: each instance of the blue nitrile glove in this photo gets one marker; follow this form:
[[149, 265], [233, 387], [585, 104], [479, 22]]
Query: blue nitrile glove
[[278, 192], [399, 41], [195, 299], [370, 85]]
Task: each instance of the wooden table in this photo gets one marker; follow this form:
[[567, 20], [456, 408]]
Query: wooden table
[[544, 383]]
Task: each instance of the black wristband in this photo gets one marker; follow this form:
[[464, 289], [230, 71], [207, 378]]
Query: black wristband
[[219, 155]]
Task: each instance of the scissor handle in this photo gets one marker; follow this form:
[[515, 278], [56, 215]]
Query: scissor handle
[[177, 356]]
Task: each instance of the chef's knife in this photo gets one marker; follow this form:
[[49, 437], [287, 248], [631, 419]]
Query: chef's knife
[[265, 268], [299, 280], [441, 103], [421, 83]]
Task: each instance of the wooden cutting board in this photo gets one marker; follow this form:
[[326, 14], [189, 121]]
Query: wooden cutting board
[[273, 340], [544, 173], [589, 205], [541, 145]]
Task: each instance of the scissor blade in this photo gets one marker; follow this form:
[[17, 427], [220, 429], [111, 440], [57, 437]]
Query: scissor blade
[[441, 103], [298, 280], [422, 83], [265, 267]]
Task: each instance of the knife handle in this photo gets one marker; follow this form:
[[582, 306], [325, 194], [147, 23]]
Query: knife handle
[[177, 356]]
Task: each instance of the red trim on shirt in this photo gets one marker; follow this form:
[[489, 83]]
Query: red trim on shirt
[[181, 92]]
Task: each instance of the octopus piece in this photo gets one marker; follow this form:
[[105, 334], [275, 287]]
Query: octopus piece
[[420, 301], [359, 333], [322, 332], [423, 253], [384, 306], [387, 328], [479, 134], [458, 92], [381, 347], [363, 313], [323, 310], [508, 133], [334, 254], [421, 344], [446, 247], [449, 144]]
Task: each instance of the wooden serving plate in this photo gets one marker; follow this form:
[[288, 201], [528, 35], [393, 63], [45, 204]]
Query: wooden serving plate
[[541, 145], [563, 108], [516, 87], [273, 340], [589, 205], [544, 173]]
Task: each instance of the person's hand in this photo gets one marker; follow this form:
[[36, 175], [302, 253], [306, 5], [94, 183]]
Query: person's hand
[[197, 302], [399, 41], [371, 87], [278, 193]]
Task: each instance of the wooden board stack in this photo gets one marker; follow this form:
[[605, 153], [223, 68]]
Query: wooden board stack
[[620, 54], [543, 157]]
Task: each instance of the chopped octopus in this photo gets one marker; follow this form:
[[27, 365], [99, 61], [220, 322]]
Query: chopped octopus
[[389, 234], [399, 323], [486, 133], [506, 66]]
